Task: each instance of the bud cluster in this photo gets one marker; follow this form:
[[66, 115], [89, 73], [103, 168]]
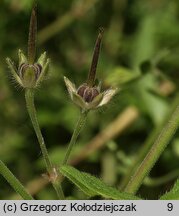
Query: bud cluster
[[30, 73]]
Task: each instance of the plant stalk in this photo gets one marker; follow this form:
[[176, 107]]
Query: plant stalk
[[14, 182], [146, 146], [155, 151], [80, 123], [29, 96]]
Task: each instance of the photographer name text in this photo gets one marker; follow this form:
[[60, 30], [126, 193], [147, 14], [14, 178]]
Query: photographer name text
[[69, 207]]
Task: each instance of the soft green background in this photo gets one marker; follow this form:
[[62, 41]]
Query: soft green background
[[141, 40]]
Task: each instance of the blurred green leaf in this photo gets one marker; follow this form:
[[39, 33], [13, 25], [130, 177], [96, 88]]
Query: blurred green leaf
[[154, 105], [144, 35], [120, 75], [93, 186], [173, 194]]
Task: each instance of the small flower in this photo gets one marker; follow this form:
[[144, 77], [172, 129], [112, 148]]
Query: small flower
[[26, 74], [91, 98], [29, 73], [88, 95]]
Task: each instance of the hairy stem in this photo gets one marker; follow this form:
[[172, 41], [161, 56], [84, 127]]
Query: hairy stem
[[52, 171], [29, 96], [155, 151], [14, 182], [146, 146], [76, 132]]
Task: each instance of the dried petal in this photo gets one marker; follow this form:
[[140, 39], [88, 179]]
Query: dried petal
[[13, 71], [107, 95], [42, 59], [22, 57], [94, 104], [70, 87], [45, 66], [78, 100]]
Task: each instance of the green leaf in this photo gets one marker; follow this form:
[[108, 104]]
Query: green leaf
[[93, 186], [173, 194], [149, 102], [120, 76]]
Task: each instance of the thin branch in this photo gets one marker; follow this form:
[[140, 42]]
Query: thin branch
[[76, 132], [115, 128]]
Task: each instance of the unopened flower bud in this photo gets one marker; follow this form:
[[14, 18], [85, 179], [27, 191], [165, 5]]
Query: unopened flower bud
[[89, 96], [87, 93], [29, 74]]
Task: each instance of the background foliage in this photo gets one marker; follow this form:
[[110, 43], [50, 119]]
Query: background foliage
[[139, 55]]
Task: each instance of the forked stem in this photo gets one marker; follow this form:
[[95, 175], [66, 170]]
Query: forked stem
[[52, 171]]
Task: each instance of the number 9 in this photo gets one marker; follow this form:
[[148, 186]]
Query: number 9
[[170, 206]]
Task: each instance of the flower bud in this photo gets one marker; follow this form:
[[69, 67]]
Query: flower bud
[[29, 74], [89, 96], [87, 93]]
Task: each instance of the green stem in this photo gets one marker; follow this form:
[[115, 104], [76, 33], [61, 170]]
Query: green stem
[[76, 132], [58, 188], [146, 147], [29, 96], [14, 182], [155, 151]]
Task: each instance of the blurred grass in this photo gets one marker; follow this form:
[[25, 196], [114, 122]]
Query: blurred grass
[[135, 32]]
